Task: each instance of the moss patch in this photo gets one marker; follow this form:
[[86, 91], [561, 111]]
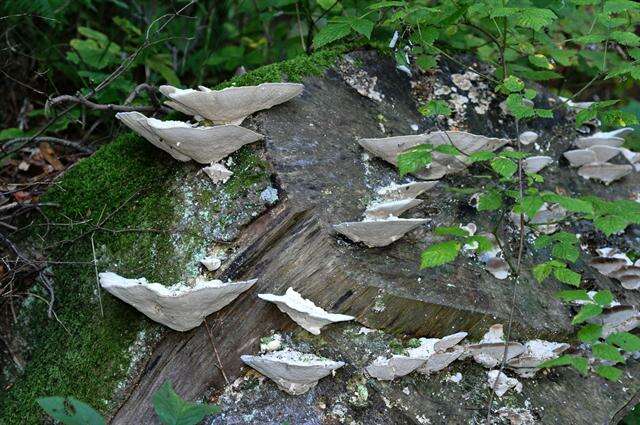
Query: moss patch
[[156, 218]]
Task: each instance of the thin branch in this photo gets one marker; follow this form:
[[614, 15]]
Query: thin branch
[[55, 140], [80, 100]]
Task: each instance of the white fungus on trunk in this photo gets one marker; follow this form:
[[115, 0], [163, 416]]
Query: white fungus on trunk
[[183, 141], [379, 232], [535, 164], [218, 173], [211, 263], [303, 311], [622, 318], [387, 369], [604, 171], [395, 192], [501, 383], [535, 353], [180, 307], [232, 104], [382, 210], [528, 137], [292, 371]]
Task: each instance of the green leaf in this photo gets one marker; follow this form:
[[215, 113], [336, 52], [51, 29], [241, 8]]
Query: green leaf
[[362, 26], [332, 32], [513, 84], [327, 4], [518, 107], [568, 203], [605, 351], [481, 156], [590, 333], [504, 166], [447, 149], [611, 224], [490, 200], [435, 107], [586, 312], [608, 372], [625, 340], [626, 38], [541, 61], [615, 6], [426, 62], [573, 295], [70, 411], [173, 410], [603, 298], [440, 253], [579, 363], [543, 270], [535, 18], [484, 244], [565, 251], [414, 159], [531, 204]]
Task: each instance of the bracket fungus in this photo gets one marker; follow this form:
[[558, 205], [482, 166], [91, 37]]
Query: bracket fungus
[[395, 192], [218, 173], [605, 171], [303, 311], [211, 263], [183, 141], [621, 318], [534, 164], [232, 104], [493, 261], [292, 371], [389, 148], [180, 307], [501, 383], [377, 233], [491, 349], [535, 353], [382, 210], [528, 137], [387, 369]]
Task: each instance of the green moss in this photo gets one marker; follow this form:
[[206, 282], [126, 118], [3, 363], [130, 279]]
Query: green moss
[[153, 212]]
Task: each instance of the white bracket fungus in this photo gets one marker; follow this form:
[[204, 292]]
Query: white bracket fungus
[[491, 349], [395, 192], [294, 372], [622, 318], [232, 104], [615, 264], [535, 353], [534, 164], [493, 261], [389, 148], [605, 172], [202, 144], [432, 355], [211, 263], [379, 232], [382, 210], [179, 307], [218, 173], [501, 383], [303, 311], [387, 369], [528, 137]]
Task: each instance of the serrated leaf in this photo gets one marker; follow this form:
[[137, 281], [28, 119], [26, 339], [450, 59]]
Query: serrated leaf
[[535, 18], [611, 224], [568, 203], [541, 61], [362, 26], [70, 411], [481, 156], [440, 253], [451, 231], [531, 204], [332, 32], [579, 363], [608, 372], [625, 340], [513, 84], [504, 166], [626, 38], [567, 276], [573, 295], [490, 200], [586, 312], [484, 244], [435, 107], [615, 6], [447, 149], [590, 333], [518, 107], [414, 159], [603, 298], [173, 410], [608, 352], [426, 62], [542, 271], [565, 251]]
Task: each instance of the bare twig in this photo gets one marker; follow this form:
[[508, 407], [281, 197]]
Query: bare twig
[[66, 98], [56, 140], [215, 350], [95, 269]]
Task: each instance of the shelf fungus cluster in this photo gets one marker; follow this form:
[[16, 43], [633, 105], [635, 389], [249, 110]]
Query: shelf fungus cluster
[[303, 311], [442, 164], [292, 371], [382, 224], [181, 307], [431, 355], [226, 109], [617, 265], [595, 151]]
